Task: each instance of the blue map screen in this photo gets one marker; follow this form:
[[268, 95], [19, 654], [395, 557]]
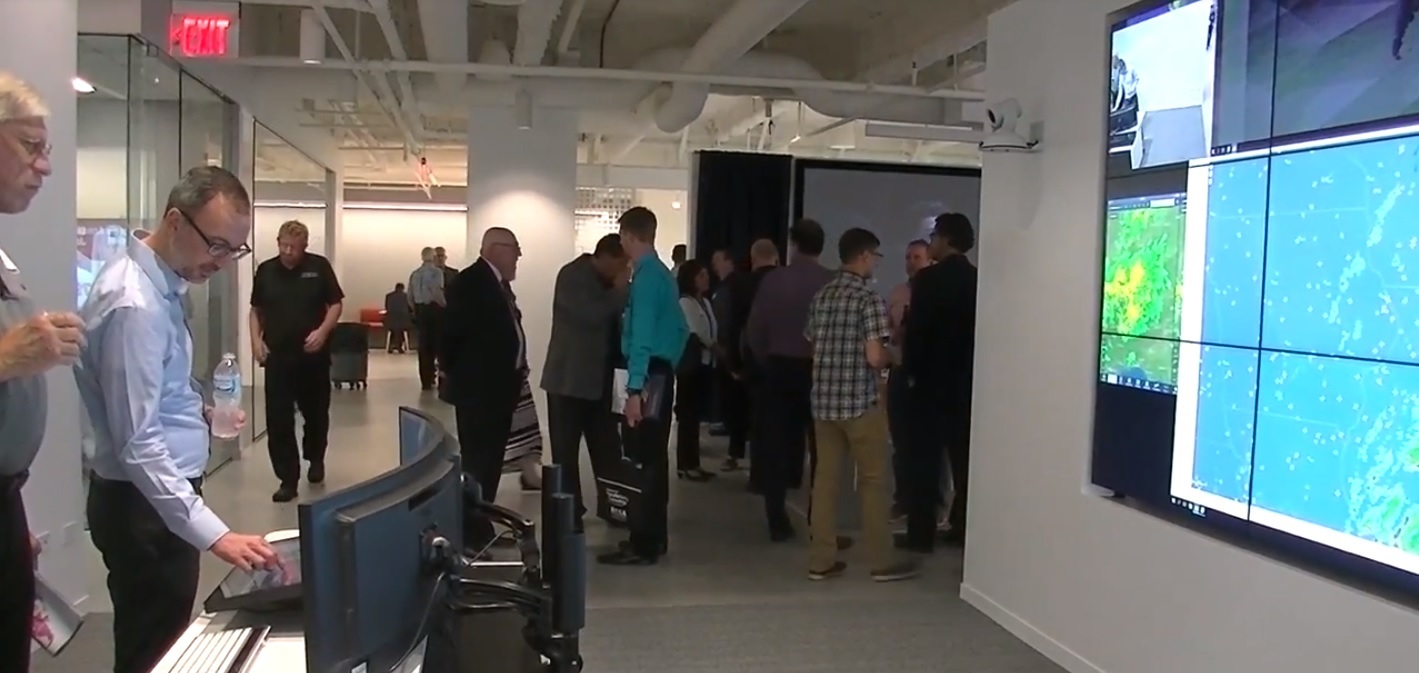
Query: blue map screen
[[1306, 392]]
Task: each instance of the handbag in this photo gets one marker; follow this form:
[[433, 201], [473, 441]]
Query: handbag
[[619, 493]]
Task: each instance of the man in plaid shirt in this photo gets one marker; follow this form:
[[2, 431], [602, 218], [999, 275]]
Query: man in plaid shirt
[[848, 327]]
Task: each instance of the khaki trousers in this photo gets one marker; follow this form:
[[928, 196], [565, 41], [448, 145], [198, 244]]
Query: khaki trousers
[[863, 440]]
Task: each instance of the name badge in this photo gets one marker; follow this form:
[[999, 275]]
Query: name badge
[[310, 274], [8, 263]]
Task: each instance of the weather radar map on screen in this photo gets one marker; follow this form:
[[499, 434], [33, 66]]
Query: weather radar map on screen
[[1259, 320]]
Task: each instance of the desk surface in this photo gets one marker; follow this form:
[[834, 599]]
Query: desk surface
[[495, 637]]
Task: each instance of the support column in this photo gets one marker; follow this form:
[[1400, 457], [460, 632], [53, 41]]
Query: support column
[[39, 43], [334, 218], [524, 179]]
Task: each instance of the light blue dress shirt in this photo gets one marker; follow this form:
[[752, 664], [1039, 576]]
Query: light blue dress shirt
[[144, 418], [426, 285]]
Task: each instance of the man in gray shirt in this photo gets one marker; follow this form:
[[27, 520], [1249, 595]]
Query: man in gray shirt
[[587, 300], [31, 343], [775, 337], [426, 295]]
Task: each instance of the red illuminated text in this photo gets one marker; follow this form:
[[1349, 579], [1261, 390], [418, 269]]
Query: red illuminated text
[[200, 36]]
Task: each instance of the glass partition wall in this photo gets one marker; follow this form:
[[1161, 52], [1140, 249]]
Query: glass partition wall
[[283, 175], [144, 122]]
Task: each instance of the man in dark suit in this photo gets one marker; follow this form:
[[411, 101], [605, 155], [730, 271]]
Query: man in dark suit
[[938, 355], [588, 298], [732, 312], [482, 358]]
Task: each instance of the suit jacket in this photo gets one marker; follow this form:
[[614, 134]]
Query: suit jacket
[[478, 352], [584, 314], [938, 345], [738, 296]]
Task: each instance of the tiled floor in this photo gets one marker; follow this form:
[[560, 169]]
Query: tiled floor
[[725, 598]]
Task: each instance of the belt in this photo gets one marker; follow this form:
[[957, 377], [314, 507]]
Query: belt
[[11, 484]]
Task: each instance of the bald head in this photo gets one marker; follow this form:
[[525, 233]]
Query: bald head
[[763, 253], [500, 248]]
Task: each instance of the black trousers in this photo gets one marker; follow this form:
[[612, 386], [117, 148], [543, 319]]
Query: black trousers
[[297, 381], [571, 420], [649, 445], [483, 431], [428, 323], [784, 423], [16, 576], [152, 573], [940, 430], [734, 411], [692, 388]]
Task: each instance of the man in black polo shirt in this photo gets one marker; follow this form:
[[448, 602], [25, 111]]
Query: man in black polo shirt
[[295, 303]]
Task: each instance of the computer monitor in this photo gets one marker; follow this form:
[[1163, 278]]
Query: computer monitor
[[371, 594]]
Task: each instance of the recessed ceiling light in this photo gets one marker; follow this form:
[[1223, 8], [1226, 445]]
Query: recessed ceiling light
[[82, 85], [311, 61]]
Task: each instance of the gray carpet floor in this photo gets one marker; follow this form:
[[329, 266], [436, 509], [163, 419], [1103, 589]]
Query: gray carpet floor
[[725, 599]]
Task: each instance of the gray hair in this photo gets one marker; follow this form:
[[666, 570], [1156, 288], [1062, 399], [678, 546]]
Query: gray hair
[[19, 100], [200, 185]]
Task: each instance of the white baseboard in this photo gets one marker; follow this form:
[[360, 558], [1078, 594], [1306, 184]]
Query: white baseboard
[[1052, 649]]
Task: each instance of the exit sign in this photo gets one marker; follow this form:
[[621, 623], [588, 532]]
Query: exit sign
[[200, 36]]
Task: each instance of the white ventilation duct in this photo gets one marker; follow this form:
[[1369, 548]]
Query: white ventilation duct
[[743, 25], [679, 112], [445, 28], [535, 19]]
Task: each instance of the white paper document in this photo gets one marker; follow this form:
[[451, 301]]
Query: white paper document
[[618, 391]]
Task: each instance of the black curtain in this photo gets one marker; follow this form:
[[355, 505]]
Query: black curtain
[[741, 197]]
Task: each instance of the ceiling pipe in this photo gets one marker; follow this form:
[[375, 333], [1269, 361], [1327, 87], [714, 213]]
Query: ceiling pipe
[[609, 75], [738, 30], [362, 75], [445, 28], [535, 20], [409, 118], [569, 25]]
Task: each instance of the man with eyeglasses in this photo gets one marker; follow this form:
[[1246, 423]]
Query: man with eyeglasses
[[147, 437], [295, 303], [31, 343]]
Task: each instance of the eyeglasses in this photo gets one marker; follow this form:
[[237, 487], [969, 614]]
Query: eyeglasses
[[216, 247], [35, 148]]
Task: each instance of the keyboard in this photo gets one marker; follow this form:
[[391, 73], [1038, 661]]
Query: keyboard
[[226, 651]]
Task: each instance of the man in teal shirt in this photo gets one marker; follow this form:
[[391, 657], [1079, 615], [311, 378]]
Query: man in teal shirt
[[652, 339]]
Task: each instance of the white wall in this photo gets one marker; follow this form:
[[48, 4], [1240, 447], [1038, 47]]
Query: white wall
[[672, 215], [38, 43], [1093, 584], [384, 246]]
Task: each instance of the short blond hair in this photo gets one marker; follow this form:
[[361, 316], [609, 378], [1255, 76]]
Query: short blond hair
[[19, 100], [293, 229]]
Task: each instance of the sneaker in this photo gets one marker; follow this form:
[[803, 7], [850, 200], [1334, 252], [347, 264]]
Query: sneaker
[[832, 571], [901, 571]]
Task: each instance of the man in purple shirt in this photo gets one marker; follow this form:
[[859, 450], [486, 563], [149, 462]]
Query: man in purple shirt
[[775, 339]]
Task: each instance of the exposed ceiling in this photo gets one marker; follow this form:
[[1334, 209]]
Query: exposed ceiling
[[394, 80]]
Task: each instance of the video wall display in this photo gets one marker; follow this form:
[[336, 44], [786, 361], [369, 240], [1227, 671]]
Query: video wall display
[[1259, 322]]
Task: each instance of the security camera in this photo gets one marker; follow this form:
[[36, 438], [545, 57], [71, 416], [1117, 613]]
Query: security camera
[[1003, 137]]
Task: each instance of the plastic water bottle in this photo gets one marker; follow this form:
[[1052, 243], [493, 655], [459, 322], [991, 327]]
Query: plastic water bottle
[[226, 398]]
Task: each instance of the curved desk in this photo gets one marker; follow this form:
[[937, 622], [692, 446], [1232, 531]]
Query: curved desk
[[488, 641]]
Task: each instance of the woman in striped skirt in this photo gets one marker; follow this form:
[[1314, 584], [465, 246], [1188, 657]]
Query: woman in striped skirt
[[524, 443]]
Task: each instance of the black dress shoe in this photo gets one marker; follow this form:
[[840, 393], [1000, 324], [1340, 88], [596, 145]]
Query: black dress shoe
[[625, 557], [782, 533], [285, 493], [316, 473]]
